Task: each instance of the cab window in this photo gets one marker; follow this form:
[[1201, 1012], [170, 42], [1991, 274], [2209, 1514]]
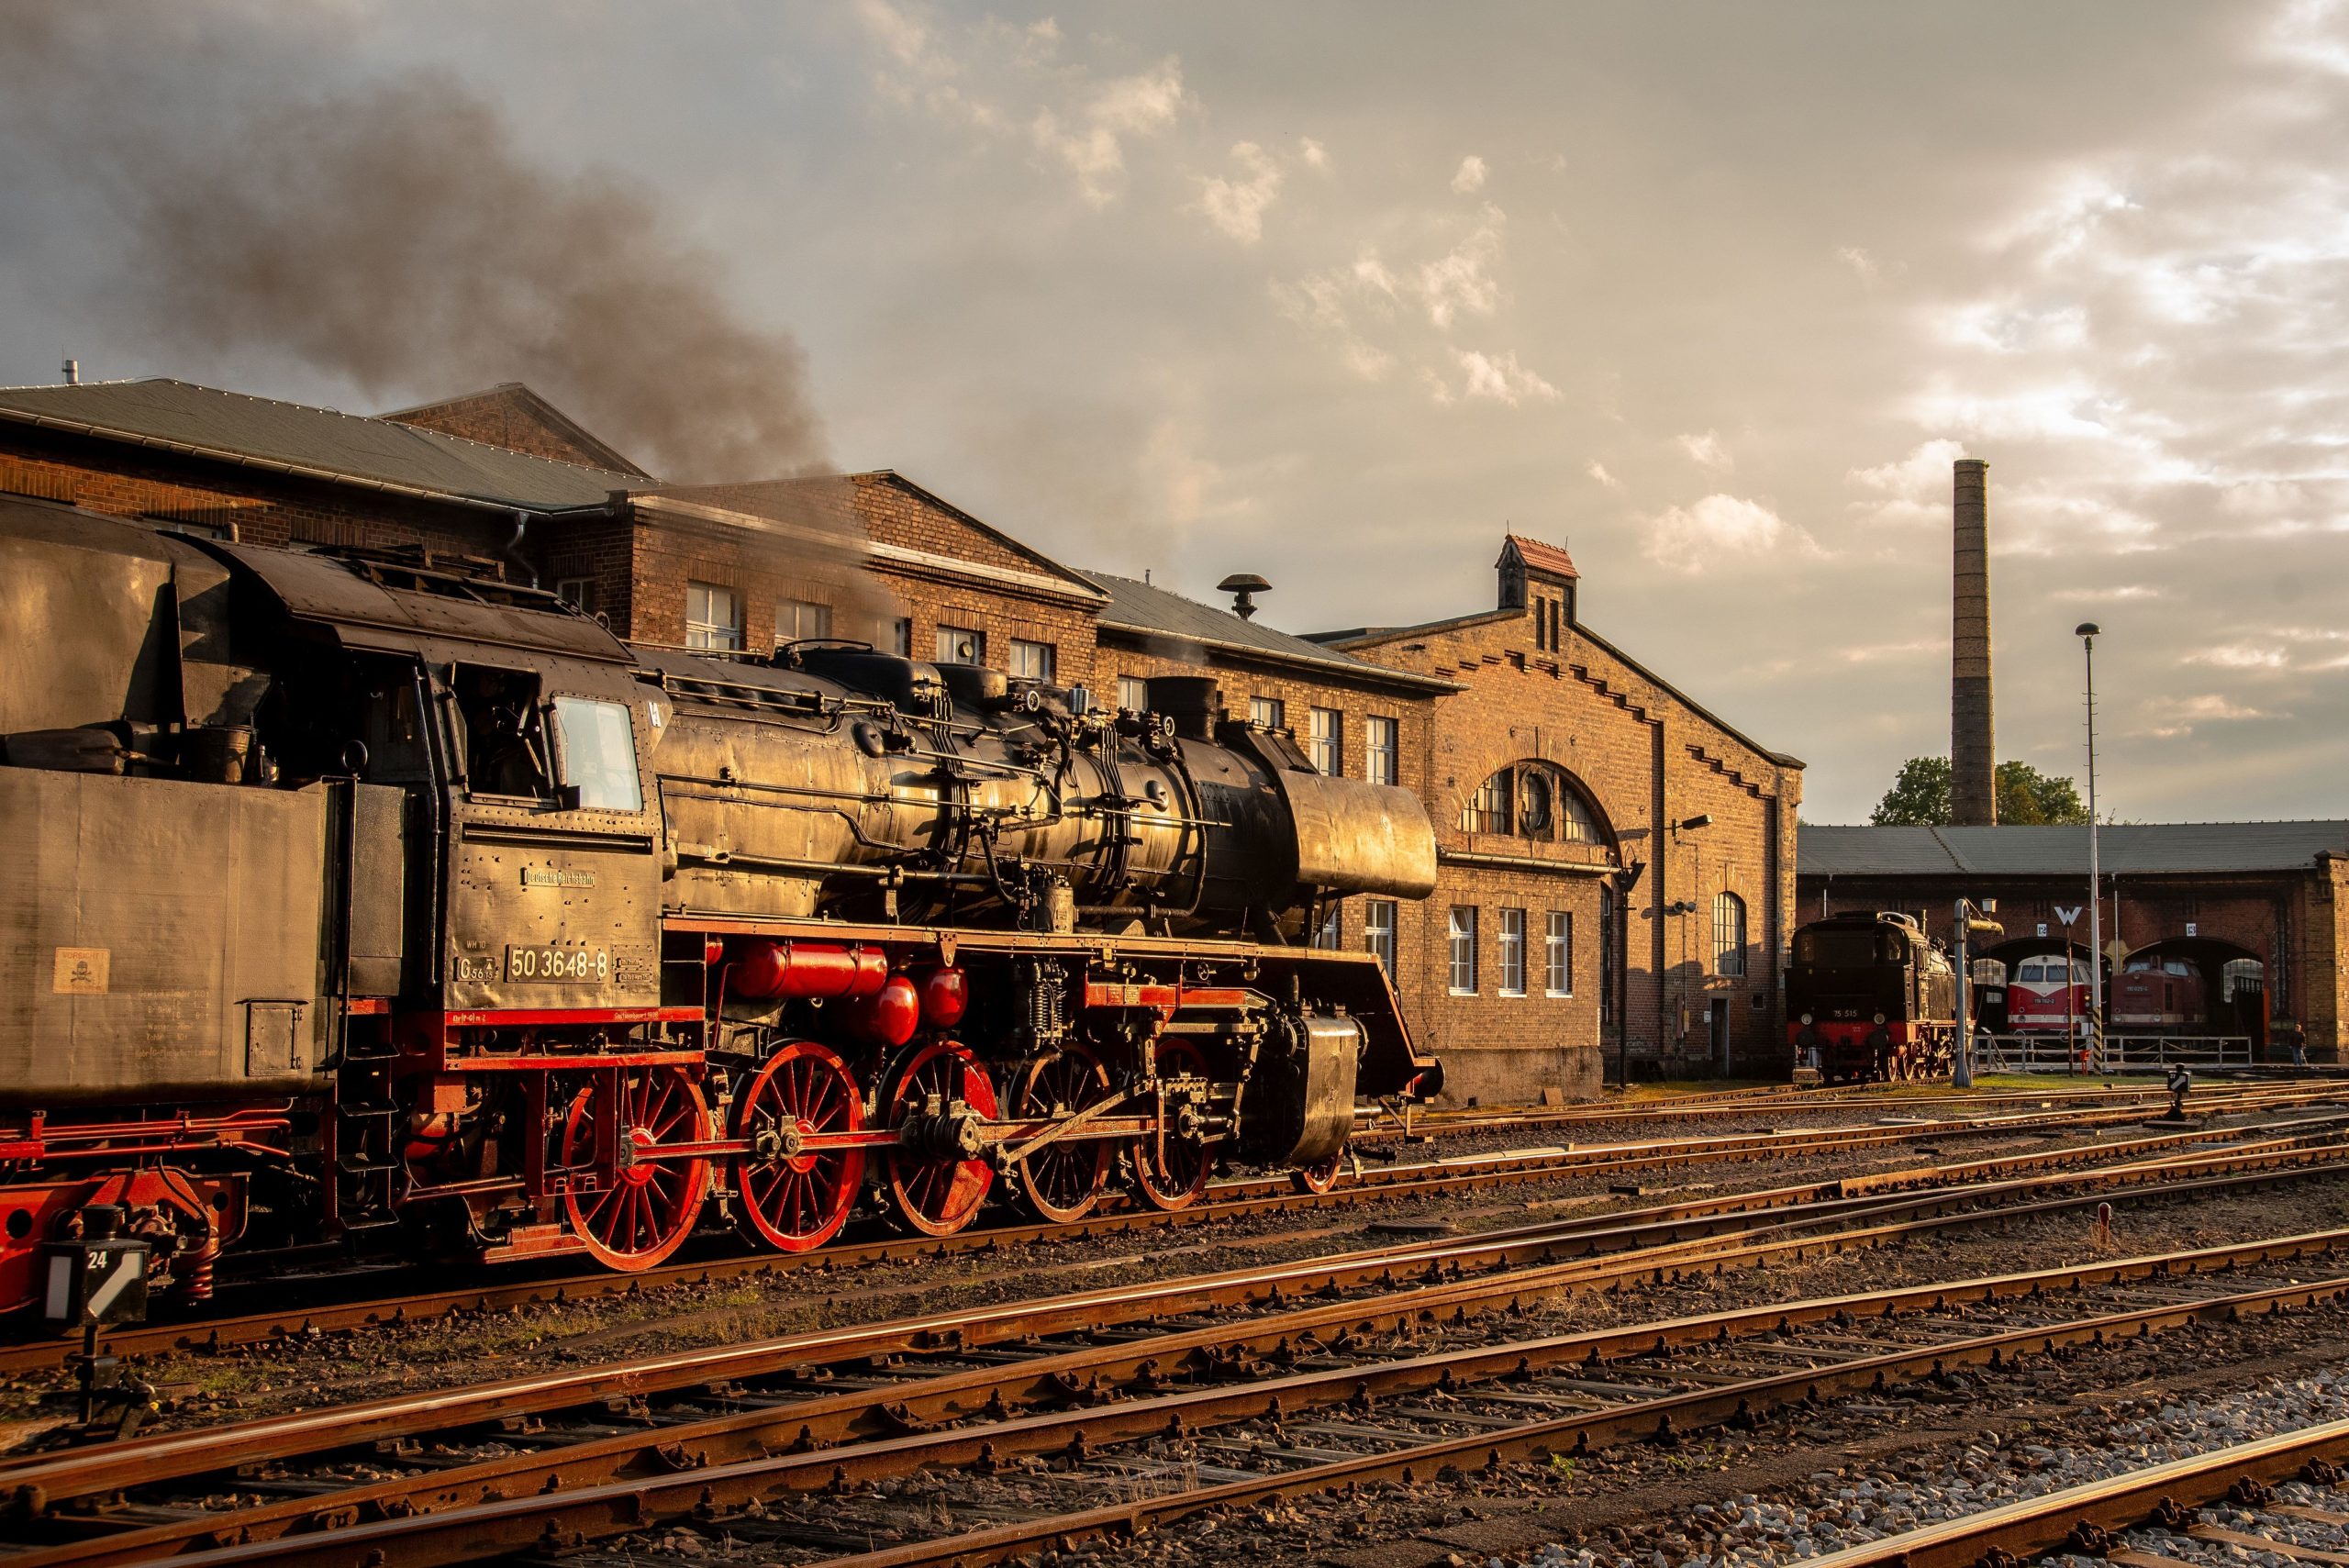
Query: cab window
[[504, 748], [598, 754]]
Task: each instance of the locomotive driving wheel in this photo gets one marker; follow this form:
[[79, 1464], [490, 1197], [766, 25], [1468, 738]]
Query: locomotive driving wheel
[[796, 1197], [1171, 1169], [937, 1172], [1062, 1180], [1322, 1175], [643, 1208]]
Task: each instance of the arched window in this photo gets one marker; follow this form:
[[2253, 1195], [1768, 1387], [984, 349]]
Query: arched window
[[1533, 800], [1729, 934]]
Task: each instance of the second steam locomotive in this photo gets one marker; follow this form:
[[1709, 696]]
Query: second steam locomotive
[[1871, 999], [367, 906]]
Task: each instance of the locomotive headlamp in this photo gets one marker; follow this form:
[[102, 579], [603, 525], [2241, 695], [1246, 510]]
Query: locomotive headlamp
[[1879, 1017], [1806, 1017]]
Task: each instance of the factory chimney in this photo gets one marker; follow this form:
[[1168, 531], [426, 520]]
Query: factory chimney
[[1973, 755]]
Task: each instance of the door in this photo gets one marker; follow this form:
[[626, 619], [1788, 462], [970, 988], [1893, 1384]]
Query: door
[[1716, 1020]]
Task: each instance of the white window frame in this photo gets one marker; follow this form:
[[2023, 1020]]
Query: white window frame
[[1558, 954], [901, 633], [705, 630], [1461, 943], [1331, 935], [1270, 712], [1729, 936], [1326, 740], [1033, 660], [1380, 917], [800, 625], [1511, 935], [1382, 750], [977, 638]]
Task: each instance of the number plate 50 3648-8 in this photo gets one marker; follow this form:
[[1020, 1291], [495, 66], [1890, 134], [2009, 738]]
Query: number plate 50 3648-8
[[558, 965]]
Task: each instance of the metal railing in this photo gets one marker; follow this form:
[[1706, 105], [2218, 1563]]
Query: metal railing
[[2039, 1052]]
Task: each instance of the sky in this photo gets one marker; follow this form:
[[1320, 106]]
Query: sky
[[1711, 293]]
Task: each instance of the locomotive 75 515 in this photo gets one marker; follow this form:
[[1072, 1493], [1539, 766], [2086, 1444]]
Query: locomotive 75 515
[[362, 903], [1870, 998]]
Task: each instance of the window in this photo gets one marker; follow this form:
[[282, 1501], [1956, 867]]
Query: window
[[1032, 660], [712, 617], [797, 620], [1330, 934], [1558, 955], [1378, 932], [960, 645], [1383, 752], [1133, 692], [1464, 949], [1729, 934], [1609, 902], [901, 637], [505, 746], [1270, 712], [1512, 953], [577, 592], [1532, 800], [1329, 741], [598, 754]]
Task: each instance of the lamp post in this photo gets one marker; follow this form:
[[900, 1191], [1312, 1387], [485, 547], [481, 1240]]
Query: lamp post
[[2086, 632]]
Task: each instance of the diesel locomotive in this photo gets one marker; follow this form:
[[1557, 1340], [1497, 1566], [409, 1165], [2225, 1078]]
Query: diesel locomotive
[[369, 904], [1871, 999]]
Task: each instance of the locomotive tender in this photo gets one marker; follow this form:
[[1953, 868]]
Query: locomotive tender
[[370, 904], [1870, 998]]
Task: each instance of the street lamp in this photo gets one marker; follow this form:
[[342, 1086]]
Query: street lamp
[[2086, 632]]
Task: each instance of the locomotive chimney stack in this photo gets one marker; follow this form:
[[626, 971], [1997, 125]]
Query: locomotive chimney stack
[[1973, 753]]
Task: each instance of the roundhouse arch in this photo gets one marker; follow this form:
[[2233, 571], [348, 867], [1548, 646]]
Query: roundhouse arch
[[2230, 1005]]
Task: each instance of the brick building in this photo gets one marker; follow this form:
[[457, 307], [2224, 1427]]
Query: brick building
[[1615, 862], [2255, 910]]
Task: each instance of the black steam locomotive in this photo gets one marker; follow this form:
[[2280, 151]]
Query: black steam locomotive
[[1871, 999], [362, 903]]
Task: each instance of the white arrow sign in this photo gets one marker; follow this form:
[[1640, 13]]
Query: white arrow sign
[[2068, 915]]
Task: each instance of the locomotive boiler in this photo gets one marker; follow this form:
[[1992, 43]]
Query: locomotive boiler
[[1870, 998], [367, 904]]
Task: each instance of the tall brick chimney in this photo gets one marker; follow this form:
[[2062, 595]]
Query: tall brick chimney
[[1973, 752]]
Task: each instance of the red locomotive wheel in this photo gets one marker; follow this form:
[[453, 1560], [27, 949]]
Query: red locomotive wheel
[[798, 1198], [639, 1212], [1171, 1171], [1322, 1175], [938, 1188], [1062, 1180]]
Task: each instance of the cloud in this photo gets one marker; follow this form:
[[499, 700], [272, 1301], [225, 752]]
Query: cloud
[[1706, 451], [2118, 592], [1471, 176], [2239, 656], [1462, 279], [1860, 262], [2176, 716], [1720, 529], [1091, 141], [1501, 379], [1924, 472], [1598, 471], [1313, 155], [1236, 206]]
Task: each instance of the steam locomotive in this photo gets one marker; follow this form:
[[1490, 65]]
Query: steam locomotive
[[1871, 999], [363, 904]]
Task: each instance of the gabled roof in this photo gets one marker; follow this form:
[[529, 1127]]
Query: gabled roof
[[1538, 557], [315, 443], [2123, 850], [1148, 610], [523, 417]]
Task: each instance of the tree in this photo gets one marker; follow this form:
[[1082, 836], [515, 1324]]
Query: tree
[[1920, 796], [2028, 796]]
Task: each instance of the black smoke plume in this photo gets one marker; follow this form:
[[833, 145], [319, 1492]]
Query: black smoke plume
[[395, 235]]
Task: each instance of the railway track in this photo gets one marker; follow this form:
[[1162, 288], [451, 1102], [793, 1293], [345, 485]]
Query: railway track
[[1331, 1403], [299, 1314], [467, 1468]]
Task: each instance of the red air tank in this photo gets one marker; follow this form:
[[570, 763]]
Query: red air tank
[[888, 1017], [797, 970], [945, 998]]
